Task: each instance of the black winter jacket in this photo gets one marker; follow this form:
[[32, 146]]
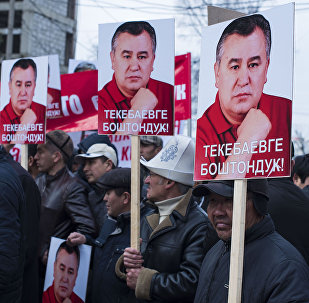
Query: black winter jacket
[[12, 246], [64, 208], [274, 271], [109, 246], [31, 232], [173, 252]]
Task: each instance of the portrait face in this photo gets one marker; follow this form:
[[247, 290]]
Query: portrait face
[[21, 88], [95, 168], [148, 151], [220, 214], [132, 62], [241, 74], [155, 190], [65, 273], [44, 158], [114, 203]]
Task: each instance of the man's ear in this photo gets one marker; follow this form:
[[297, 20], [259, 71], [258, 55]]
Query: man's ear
[[127, 198], [10, 87], [30, 161], [169, 183], [109, 164], [216, 70], [266, 70], [154, 57], [57, 156], [112, 56]]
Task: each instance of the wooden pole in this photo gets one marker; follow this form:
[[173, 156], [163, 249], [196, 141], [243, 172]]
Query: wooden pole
[[238, 236], [216, 15], [24, 156], [135, 192]]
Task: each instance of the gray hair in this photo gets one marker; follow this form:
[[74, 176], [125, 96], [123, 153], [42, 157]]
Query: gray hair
[[245, 26]]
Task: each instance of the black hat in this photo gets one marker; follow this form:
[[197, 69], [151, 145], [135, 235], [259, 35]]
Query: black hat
[[225, 188], [116, 178]]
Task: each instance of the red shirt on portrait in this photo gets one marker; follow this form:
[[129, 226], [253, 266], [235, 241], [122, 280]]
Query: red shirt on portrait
[[8, 116], [214, 129], [111, 98], [49, 296]]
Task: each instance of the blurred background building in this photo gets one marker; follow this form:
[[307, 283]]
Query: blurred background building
[[38, 27]]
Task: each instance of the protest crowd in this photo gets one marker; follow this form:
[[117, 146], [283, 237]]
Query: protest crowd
[[84, 197], [69, 217]]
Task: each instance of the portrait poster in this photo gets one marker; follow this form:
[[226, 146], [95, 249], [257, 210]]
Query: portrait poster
[[54, 109], [65, 278], [76, 66], [136, 77], [245, 97], [23, 100]]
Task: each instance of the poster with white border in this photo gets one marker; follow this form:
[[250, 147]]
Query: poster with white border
[[56, 279], [244, 112], [23, 100], [136, 86]]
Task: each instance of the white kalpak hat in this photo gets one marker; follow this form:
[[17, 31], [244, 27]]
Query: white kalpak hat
[[175, 161], [98, 150]]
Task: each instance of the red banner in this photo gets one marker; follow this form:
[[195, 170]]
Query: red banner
[[183, 87], [79, 100]]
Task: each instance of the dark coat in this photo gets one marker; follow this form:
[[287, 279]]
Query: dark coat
[[12, 246], [106, 286], [64, 208], [31, 233], [274, 271], [173, 252], [289, 209]]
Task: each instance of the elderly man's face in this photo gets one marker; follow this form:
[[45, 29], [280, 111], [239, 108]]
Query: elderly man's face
[[156, 185], [65, 273], [132, 62], [21, 88], [220, 214], [241, 74]]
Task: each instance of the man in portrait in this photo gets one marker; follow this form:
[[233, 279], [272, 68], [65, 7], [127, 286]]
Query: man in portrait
[[244, 124], [133, 49], [65, 273], [22, 112]]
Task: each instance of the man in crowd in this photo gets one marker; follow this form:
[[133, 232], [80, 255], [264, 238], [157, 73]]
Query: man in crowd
[[32, 166], [12, 226], [175, 235], [242, 115], [300, 172], [132, 56], [274, 271], [21, 108], [65, 273], [289, 203], [64, 199], [113, 239], [99, 159], [149, 147], [30, 228]]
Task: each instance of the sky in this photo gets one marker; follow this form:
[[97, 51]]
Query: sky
[[91, 13]]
